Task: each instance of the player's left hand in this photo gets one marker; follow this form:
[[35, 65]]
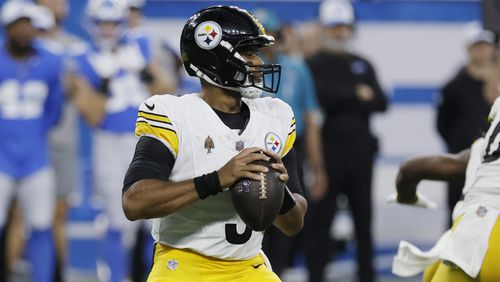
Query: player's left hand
[[278, 165]]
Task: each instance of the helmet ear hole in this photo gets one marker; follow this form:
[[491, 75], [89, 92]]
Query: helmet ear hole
[[240, 77]]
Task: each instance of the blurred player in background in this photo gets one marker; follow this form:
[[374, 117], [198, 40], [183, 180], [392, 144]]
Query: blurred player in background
[[470, 250], [110, 80], [310, 38], [60, 9], [64, 138], [297, 90], [44, 23], [466, 99], [30, 105], [135, 13], [177, 180], [171, 60], [136, 32], [135, 29], [348, 92]]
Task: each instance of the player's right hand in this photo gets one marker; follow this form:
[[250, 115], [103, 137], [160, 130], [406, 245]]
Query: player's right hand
[[406, 189], [240, 167]]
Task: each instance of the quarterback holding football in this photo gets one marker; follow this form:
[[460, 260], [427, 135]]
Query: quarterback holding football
[[193, 148]]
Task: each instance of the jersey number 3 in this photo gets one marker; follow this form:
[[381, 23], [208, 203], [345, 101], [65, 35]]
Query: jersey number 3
[[233, 237]]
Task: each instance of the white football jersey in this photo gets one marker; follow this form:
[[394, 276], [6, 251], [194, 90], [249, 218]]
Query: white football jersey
[[202, 143], [471, 196], [475, 158], [487, 179]]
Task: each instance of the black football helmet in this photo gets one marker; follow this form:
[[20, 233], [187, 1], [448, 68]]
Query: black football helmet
[[211, 43]]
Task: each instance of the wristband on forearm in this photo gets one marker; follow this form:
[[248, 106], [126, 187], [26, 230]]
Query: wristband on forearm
[[207, 184], [288, 202]]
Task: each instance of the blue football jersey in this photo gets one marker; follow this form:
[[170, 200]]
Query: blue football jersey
[[122, 68], [30, 104], [142, 39]]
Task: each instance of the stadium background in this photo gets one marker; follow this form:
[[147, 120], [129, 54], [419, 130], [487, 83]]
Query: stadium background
[[415, 46]]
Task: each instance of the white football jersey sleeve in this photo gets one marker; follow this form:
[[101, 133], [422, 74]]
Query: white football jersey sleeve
[[153, 121]]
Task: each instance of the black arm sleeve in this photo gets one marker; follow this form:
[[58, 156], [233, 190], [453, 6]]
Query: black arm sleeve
[[152, 160], [290, 162], [379, 102]]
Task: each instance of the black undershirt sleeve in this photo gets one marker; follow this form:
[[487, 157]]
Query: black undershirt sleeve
[[152, 160], [290, 162]]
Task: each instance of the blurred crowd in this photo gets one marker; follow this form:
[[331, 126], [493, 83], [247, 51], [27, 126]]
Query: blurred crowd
[[52, 82]]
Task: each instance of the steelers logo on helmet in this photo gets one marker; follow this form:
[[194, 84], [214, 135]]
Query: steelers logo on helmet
[[208, 35], [273, 142]]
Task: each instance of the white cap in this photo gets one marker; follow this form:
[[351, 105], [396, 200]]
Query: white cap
[[13, 10], [107, 10], [44, 18], [474, 33], [336, 12]]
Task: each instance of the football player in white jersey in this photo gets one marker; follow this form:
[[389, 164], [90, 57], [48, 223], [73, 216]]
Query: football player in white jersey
[[470, 251], [192, 148]]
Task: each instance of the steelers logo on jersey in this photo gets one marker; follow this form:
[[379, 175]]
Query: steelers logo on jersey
[[273, 142], [208, 35]]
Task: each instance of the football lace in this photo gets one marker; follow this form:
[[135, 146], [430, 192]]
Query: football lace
[[263, 186]]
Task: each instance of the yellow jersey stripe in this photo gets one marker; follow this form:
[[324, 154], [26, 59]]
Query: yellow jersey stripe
[[154, 117], [169, 136], [156, 126], [290, 140], [160, 124]]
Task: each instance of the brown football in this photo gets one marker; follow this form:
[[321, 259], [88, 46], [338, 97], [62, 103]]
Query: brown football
[[259, 202]]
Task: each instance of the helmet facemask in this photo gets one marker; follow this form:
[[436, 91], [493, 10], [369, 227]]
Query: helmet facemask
[[249, 80], [254, 79], [260, 78]]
